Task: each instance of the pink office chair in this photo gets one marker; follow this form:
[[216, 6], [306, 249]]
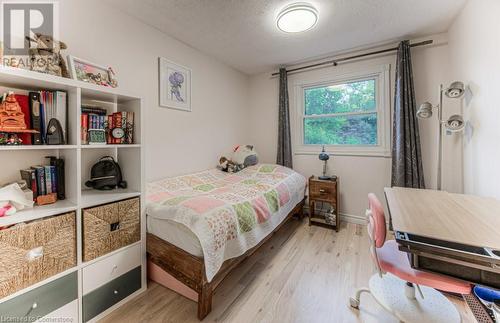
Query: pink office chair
[[393, 287]]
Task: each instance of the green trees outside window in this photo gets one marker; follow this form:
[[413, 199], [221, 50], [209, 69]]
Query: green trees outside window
[[342, 114]]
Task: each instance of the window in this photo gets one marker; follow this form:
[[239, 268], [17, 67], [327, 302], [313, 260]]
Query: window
[[342, 114], [345, 114]]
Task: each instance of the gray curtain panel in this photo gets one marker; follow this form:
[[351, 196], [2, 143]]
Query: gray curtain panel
[[407, 170], [284, 156]]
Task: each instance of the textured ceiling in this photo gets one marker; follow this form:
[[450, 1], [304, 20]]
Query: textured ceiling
[[243, 34]]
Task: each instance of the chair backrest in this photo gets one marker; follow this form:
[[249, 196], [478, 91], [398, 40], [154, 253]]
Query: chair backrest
[[377, 220], [376, 227]]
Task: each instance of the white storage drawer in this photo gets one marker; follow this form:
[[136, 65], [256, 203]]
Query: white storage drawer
[[111, 267]]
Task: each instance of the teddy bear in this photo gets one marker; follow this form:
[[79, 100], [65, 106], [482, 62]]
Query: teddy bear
[[46, 56]]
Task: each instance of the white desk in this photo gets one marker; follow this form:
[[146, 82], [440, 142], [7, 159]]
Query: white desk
[[460, 218], [452, 234]]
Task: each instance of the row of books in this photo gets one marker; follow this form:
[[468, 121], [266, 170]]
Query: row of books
[[95, 120], [39, 108], [45, 180]]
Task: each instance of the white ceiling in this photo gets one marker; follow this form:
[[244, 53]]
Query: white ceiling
[[243, 33]]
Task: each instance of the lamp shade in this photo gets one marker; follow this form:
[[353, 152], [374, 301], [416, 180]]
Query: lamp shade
[[455, 123], [455, 90], [425, 110]]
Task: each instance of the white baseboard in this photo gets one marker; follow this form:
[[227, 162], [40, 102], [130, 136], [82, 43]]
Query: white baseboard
[[356, 219]]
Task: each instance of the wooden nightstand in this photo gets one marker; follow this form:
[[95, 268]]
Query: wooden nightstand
[[324, 191]]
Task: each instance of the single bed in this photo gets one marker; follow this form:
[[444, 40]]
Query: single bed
[[202, 225]]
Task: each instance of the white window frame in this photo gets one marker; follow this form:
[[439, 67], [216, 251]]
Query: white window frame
[[381, 75]]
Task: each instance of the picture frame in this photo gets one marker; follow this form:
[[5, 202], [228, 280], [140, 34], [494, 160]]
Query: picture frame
[[85, 71], [174, 85]]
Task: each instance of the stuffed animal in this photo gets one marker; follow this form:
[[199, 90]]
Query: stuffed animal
[[245, 155], [46, 56], [229, 166]]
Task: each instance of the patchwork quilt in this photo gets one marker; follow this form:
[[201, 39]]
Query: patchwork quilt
[[229, 213]]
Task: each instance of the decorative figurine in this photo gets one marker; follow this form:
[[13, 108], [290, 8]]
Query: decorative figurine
[[11, 115], [113, 82], [46, 56]]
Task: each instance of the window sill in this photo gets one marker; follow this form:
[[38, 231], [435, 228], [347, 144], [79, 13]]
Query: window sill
[[353, 153]]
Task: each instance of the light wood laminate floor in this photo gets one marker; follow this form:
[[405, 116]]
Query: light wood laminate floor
[[303, 274]]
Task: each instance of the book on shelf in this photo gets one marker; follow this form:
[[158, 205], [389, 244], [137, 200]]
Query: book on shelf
[[44, 106], [29, 175], [109, 125], [50, 179], [35, 117], [118, 124], [47, 179], [124, 126], [129, 133], [57, 176], [40, 179], [95, 123], [94, 110], [60, 111], [84, 119]]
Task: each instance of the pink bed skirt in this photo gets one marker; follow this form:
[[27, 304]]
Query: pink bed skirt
[[155, 273]]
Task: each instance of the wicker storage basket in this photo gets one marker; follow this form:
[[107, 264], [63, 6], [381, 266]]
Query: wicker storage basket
[[110, 227], [32, 252]]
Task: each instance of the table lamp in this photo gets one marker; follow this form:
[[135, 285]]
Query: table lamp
[[324, 157]]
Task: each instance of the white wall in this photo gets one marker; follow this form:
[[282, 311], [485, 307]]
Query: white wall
[[360, 175], [231, 108], [475, 59], [177, 142]]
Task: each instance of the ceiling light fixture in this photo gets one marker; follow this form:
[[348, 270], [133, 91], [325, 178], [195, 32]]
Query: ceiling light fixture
[[297, 17]]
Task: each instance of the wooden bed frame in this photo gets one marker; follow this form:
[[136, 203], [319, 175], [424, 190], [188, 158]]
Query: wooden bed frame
[[190, 270]]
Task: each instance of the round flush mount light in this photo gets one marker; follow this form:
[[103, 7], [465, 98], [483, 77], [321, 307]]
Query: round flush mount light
[[297, 17]]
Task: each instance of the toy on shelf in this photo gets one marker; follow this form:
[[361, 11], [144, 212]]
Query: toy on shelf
[[113, 82], [12, 121], [10, 139], [46, 56], [11, 114]]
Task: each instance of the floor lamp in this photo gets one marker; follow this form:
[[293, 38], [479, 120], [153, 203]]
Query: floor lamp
[[455, 123]]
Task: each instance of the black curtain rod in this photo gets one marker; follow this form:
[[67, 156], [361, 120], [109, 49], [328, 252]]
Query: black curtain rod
[[334, 62]]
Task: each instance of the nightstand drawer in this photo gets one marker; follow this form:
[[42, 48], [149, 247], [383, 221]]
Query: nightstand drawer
[[323, 190]]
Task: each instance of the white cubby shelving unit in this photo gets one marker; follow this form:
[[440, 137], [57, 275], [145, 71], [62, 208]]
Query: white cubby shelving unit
[[78, 159]]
